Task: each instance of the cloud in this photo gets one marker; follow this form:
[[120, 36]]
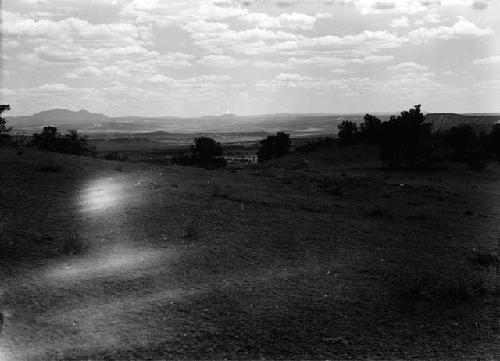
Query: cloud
[[223, 61], [480, 5], [327, 61], [178, 12], [429, 18], [271, 65], [73, 28], [292, 21], [51, 88], [487, 61], [10, 44], [310, 83], [408, 67], [462, 28], [402, 22]]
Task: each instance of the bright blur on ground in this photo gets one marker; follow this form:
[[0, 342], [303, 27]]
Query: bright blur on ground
[[295, 260]]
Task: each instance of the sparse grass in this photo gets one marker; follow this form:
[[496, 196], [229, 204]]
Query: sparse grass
[[73, 246], [452, 282], [192, 229], [50, 168], [379, 212], [117, 156]]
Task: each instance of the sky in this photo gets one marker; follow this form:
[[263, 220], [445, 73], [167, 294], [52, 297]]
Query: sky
[[209, 57]]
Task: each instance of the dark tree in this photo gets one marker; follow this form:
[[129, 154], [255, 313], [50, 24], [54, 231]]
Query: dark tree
[[348, 132], [406, 139], [47, 139], [370, 129], [206, 150], [274, 146], [463, 139], [493, 141], [4, 130], [51, 140], [72, 143]]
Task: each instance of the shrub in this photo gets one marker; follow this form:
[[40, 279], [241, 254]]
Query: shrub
[[274, 146], [462, 139], [182, 159], [117, 156], [51, 140], [206, 151], [4, 130], [492, 141], [370, 130], [348, 132], [406, 139]]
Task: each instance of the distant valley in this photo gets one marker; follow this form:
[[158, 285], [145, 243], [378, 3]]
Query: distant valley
[[226, 128]]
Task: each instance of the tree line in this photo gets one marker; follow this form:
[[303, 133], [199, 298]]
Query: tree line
[[403, 140], [407, 140]]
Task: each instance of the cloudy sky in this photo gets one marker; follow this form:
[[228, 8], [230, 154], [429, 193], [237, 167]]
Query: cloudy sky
[[196, 57]]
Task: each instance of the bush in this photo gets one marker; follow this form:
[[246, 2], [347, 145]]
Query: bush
[[117, 156], [492, 141], [406, 139], [51, 140], [206, 151], [348, 132], [4, 130], [462, 139], [274, 146], [370, 130]]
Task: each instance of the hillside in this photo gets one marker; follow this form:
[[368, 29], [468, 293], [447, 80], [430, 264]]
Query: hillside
[[482, 122], [313, 256]]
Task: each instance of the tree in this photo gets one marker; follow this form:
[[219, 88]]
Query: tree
[[206, 150], [47, 139], [463, 139], [274, 146], [493, 140], [72, 143], [348, 132], [52, 141], [4, 130], [406, 139], [370, 129]]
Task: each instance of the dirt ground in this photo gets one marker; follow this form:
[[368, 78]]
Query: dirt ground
[[318, 256]]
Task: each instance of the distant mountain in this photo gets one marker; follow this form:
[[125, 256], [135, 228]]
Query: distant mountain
[[295, 124], [59, 117], [87, 122]]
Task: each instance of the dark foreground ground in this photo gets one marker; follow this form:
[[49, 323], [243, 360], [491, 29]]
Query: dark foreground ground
[[328, 257]]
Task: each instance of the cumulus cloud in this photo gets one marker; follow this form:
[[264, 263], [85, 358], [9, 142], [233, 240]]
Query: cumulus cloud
[[221, 61], [402, 22], [310, 83], [462, 28], [328, 61], [408, 67], [264, 64], [487, 61], [14, 24], [292, 21]]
